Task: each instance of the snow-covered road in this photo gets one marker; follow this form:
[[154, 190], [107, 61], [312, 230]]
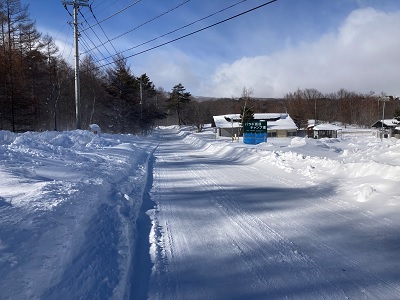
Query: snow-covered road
[[230, 226], [288, 219]]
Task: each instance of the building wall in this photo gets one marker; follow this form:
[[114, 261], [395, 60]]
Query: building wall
[[229, 132], [318, 134]]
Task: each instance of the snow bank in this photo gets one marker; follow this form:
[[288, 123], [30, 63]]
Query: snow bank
[[364, 167], [68, 203]]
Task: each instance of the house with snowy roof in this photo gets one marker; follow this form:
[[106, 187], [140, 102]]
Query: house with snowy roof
[[278, 124], [391, 127]]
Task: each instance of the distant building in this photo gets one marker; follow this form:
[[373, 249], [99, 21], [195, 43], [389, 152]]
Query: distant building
[[278, 125], [326, 131], [391, 127]]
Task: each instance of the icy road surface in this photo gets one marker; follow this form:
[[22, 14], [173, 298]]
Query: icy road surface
[[227, 227]]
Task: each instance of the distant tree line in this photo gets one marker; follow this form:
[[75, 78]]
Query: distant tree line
[[344, 107], [37, 92]]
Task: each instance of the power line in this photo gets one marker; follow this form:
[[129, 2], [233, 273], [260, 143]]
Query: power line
[[110, 4], [194, 32], [66, 43], [113, 15], [148, 21], [106, 58], [102, 29], [180, 28], [86, 46]]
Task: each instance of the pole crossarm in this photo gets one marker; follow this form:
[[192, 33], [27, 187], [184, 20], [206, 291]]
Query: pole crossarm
[[76, 2]]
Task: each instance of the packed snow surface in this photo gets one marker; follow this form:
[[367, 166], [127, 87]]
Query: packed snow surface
[[288, 219]]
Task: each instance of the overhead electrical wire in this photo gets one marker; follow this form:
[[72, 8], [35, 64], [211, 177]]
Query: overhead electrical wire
[[88, 49], [83, 41], [180, 28], [148, 21], [102, 30], [164, 13], [85, 45], [194, 32], [113, 15], [95, 36], [65, 43], [110, 4]]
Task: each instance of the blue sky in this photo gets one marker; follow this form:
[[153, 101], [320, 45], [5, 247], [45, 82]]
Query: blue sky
[[283, 46]]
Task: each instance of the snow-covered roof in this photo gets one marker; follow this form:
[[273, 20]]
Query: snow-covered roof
[[311, 123], [327, 127], [386, 122], [275, 121], [94, 127], [390, 122]]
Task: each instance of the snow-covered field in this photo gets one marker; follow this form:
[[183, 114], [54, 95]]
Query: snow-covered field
[[289, 219]]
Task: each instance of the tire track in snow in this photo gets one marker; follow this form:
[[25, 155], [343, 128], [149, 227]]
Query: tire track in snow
[[257, 233], [166, 276], [362, 226], [381, 284]]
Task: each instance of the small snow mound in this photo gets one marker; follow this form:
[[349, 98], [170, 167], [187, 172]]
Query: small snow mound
[[345, 153], [62, 140], [298, 141], [365, 193]]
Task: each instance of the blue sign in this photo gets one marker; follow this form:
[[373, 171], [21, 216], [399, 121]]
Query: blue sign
[[255, 131]]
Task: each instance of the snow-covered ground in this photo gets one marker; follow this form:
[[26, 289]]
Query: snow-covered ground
[[288, 219]]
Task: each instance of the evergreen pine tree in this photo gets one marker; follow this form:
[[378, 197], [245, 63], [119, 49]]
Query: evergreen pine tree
[[177, 101]]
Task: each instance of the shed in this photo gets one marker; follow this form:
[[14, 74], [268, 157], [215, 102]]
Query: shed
[[326, 131], [94, 128]]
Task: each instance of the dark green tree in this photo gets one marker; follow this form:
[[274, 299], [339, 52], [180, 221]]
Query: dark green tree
[[123, 97], [177, 101], [150, 107]]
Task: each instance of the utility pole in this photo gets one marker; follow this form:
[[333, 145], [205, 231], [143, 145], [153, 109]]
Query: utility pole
[[76, 4]]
